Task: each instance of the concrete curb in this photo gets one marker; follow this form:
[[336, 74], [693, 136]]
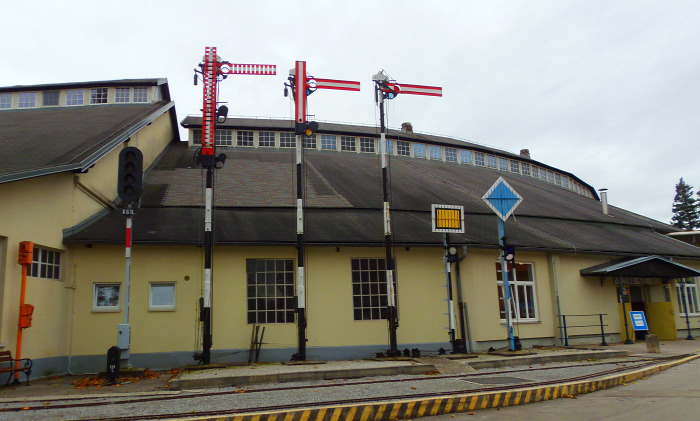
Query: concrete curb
[[543, 358], [414, 408], [179, 383]]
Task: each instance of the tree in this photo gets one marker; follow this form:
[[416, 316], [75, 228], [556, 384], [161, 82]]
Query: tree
[[686, 209]]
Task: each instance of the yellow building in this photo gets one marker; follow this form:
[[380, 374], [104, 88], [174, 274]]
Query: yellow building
[[563, 240]]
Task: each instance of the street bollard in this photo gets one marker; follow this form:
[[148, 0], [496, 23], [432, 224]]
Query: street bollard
[[652, 343]]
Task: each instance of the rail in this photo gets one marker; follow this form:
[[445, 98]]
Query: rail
[[566, 327]]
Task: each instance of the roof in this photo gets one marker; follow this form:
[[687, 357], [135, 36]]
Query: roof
[[255, 205], [77, 85], [48, 140], [373, 131], [642, 267]]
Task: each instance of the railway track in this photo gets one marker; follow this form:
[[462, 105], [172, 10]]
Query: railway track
[[96, 400]]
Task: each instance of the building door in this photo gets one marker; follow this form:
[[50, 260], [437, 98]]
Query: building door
[[637, 304]]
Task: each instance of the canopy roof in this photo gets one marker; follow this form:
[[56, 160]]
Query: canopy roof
[[642, 267]]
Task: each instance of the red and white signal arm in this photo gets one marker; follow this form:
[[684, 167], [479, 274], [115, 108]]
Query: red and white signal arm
[[343, 85], [448, 218]]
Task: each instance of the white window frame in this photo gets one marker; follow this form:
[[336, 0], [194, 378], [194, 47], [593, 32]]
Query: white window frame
[[515, 166], [75, 97], [98, 95], [268, 281], [122, 95], [536, 171], [503, 164], [43, 260], [5, 101], [389, 146], [479, 159], [515, 287], [526, 168], [309, 142], [691, 295], [420, 150], [329, 142], [348, 143], [110, 308], [162, 307], [368, 276], [288, 140], [244, 138], [222, 137], [435, 152], [450, 154], [491, 161], [403, 148], [266, 139], [50, 94], [465, 156], [26, 100], [140, 95], [367, 144]]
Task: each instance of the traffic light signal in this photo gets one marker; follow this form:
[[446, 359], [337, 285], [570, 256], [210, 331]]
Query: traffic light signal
[[130, 174], [307, 128]]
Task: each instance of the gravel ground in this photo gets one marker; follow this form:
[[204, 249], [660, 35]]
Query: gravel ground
[[315, 392]]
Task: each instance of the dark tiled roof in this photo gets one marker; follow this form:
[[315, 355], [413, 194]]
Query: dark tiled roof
[[42, 141], [255, 205], [78, 85]]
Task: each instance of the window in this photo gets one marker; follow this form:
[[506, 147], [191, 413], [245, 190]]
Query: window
[[369, 296], [347, 143], [479, 158], [491, 161], [50, 98], [503, 164], [557, 177], [328, 142], [161, 296], [515, 167], [223, 138], [389, 146], [690, 289], [522, 291], [244, 138], [543, 174], [310, 142], [266, 139], [287, 140], [5, 101], [123, 95], [435, 152], [419, 150], [403, 148], [526, 168], [140, 94], [465, 157], [74, 97], [196, 137], [45, 264], [98, 96], [535, 171], [270, 290], [366, 144], [450, 155], [27, 100], [106, 298], [565, 181], [550, 176]]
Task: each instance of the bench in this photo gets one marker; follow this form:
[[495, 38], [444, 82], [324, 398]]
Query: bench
[[6, 357]]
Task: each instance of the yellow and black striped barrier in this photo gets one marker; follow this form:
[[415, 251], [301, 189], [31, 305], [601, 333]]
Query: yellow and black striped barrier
[[415, 408]]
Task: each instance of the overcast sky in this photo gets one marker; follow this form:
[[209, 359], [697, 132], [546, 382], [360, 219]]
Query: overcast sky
[[607, 90]]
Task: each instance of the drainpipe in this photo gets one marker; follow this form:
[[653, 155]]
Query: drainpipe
[[463, 311]]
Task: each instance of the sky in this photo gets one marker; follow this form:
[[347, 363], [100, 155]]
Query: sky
[[606, 90]]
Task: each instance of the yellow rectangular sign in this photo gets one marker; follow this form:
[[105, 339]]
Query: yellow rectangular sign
[[448, 218]]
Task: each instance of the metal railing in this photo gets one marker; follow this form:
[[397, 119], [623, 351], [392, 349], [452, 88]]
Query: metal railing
[[566, 327]]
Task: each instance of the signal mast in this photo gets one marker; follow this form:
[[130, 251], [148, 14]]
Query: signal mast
[[385, 88], [303, 85], [213, 70]]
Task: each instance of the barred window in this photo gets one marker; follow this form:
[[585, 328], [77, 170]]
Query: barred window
[[419, 150], [689, 289], [270, 290], [50, 98], [244, 138], [465, 157], [27, 100], [403, 148], [479, 158], [140, 94], [347, 143], [223, 138], [522, 291], [46, 264], [515, 167], [123, 95], [328, 141], [450, 155], [74, 97], [266, 139], [287, 140], [435, 152], [366, 144], [369, 295], [98, 96], [526, 168]]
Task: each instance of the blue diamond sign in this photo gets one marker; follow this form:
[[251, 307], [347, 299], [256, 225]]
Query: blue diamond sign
[[502, 198]]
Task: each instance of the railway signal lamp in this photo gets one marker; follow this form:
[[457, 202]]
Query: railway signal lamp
[[130, 175], [452, 254], [508, 251], [306, 128]]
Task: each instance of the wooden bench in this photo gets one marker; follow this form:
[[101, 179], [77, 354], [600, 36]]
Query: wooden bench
[[6, 357]]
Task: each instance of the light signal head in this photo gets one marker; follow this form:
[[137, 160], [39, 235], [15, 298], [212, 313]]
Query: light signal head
[[130, 174]]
